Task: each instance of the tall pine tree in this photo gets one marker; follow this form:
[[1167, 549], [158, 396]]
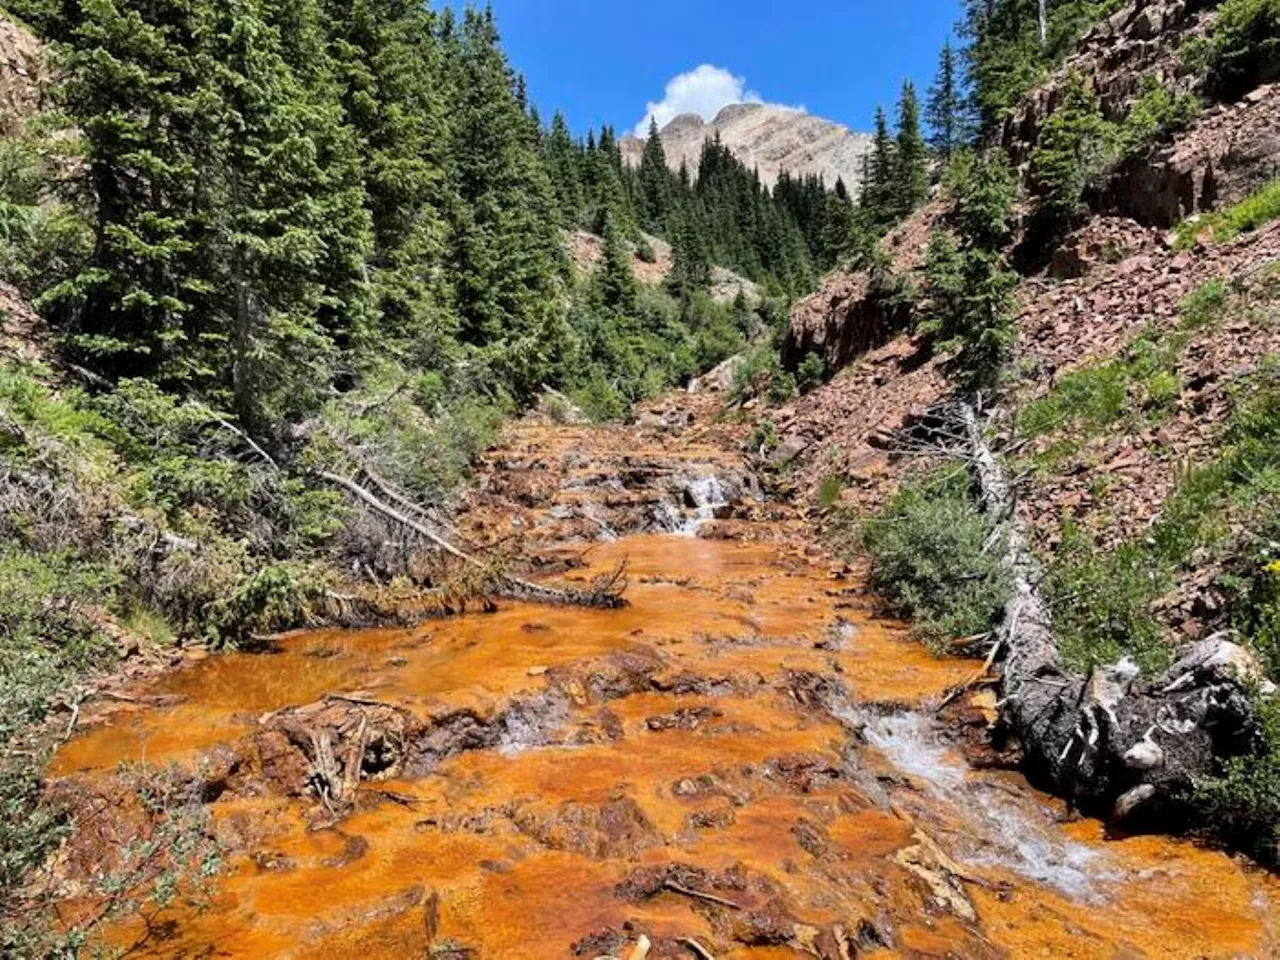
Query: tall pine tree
[[655, 183], [506, 252], [911, 159], [132, 84], [944, 110], [877, 188]]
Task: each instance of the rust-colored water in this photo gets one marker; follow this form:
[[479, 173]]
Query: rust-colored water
[[523, 849], [779, 739]]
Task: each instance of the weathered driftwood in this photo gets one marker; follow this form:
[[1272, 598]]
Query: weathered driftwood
[[1116, 742]]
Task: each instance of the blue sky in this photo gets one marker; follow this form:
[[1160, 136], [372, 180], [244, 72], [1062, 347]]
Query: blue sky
[[603, 61]]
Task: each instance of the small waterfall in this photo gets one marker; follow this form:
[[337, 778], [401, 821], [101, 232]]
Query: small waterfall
[[1005, 831], [704, 495]]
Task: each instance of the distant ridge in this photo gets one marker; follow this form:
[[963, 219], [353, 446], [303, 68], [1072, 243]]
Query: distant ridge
[[771, 139]]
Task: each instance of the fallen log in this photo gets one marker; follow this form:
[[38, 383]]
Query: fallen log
[[607, 594], [1116, 743]]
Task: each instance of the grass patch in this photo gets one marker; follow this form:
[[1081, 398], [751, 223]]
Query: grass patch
[[1138, 387], [936, 560], [1102, 603], [1103, 599], [1247, 215], [1205, 306]]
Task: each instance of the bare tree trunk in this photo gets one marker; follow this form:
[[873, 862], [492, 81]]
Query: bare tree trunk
[[1116, 742]]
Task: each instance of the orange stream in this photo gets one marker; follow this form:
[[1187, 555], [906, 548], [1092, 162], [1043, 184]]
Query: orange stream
[[499, 836]]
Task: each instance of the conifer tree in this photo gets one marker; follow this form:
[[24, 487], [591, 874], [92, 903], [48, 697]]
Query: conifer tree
[[654, 182], [838, 226], [273, 203], [617, 282], [944, 110], [561, 157], [506, 251], [132, 85], [691, 265], [389, 67], [911, 161], [878, 190]]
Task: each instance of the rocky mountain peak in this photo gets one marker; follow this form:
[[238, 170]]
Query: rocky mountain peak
[[767, 137]]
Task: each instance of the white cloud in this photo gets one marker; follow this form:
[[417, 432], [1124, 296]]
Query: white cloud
[[705, 90]]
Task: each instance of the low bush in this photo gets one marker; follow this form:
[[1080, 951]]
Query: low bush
[[812, 372], [936, 560], [1138, 387], [1241, 49], [760, 375], [1243, 800], [829, 490], [1158, 113]]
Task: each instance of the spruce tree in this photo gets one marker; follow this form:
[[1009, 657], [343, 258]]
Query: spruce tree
[[838, 226], [389, 65], [506, 249], [617, 282], [968, 284], [878, 189], [277, 195], [132, 85], [654, 183], [911, 160], [691, 265], [944, 110], [563, 164]]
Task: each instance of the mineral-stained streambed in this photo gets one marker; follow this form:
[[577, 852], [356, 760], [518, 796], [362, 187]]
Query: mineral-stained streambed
[[744, 762]]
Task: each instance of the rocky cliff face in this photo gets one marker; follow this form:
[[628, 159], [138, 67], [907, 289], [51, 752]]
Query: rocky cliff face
[[1229, 151], [22, 77], [772, 139]]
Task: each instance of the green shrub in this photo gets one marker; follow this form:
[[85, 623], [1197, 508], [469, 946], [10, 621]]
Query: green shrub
[[1157, 113], [42, 238], [645, 252], [764, 438], [1102, 601], [829, 491], [760, 375], [936, 561], [1242, 47], [600, 400], [812, 372], [1244, 799], [273, 598]]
